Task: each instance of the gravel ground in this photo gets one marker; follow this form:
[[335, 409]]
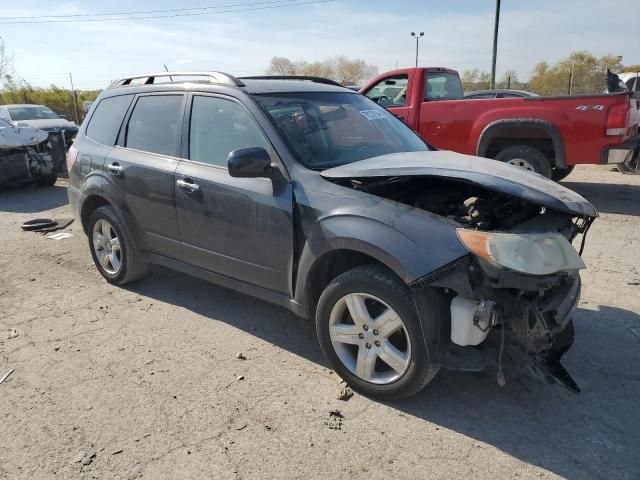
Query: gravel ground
[[144, 381]]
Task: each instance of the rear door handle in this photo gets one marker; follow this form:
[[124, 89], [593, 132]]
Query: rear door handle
[[188, 185], [115, 168]]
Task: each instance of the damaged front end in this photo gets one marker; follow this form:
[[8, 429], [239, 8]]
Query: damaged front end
[[510, 300], [26, 155]]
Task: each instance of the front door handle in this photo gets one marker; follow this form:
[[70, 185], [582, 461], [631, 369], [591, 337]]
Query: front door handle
[[115, 168], [188, 185]]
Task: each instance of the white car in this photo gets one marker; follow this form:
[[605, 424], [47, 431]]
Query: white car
[[41, 117]]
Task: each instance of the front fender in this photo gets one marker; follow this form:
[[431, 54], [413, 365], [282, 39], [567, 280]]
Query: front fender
[[397, 251]]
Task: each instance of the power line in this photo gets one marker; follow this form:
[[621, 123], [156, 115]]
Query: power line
[[170, 16], [141, 12]]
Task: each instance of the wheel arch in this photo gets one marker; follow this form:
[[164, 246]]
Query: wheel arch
[[526, 131], [89, 205], [340, 243]]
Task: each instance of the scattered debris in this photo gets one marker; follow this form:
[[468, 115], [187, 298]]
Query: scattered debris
[[46, 224], [79, 456], [55, 349], [89, 407], [344, 392], [335, 420], [13, 333], [635, 331], [241, 427], [88, 458], [6, 375], [238, 378], [116, 452], [59, 236], [240, 356]]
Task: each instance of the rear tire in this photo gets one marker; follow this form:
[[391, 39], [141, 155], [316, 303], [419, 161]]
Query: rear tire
[[112, 249], [561, 173], [527, 158], [47, 180], [398, 361]]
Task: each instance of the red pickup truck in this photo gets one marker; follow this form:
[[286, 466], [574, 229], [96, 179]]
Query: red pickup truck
[[548, 135]]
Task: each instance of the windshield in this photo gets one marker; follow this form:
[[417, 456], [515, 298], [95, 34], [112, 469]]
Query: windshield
[[327, 129], [31, 112]]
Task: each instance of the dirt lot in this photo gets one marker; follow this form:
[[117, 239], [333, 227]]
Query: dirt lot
[[146, 377]]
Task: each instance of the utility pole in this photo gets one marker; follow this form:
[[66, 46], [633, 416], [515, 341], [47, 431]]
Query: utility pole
[[495, 45], [75, 100], [571, 74], [418, 37]]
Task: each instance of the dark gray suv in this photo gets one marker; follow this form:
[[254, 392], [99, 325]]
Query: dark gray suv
[[311, 196]]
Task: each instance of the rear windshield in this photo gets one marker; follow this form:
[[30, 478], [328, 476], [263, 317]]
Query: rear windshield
[[31, 112], [326, 129], [443, 86]]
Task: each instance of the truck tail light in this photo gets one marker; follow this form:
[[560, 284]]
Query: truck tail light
[[617, 118], [72, 156]]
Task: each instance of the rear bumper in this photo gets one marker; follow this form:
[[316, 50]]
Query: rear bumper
[[76, 199]]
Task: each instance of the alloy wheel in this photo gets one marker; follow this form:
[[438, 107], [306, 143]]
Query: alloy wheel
[[106, 245], [370, 338], [522, 163]]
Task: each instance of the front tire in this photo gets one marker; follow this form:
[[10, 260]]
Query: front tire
[[561, 173], [527, 158], [112, 250], [370, 333]]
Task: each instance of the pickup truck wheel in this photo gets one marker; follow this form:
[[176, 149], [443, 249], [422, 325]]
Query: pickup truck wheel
[[527, 158], [561, 173], [112, 250], [370, 333]]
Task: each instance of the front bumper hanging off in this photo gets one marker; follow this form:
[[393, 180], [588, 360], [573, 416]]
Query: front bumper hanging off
[[531, 328]]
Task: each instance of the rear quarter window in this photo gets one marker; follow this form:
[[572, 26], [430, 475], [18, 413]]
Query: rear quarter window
[[106, 120]]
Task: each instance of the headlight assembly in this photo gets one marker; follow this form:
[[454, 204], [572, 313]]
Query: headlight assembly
[[531, 253]]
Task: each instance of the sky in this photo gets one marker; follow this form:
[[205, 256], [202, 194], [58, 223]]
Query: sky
[[458, 34]]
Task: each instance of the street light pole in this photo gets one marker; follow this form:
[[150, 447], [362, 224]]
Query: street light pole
[[418, 37], [495, 45]]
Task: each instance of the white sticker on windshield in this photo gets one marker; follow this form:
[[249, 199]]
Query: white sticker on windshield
[[372, 114]]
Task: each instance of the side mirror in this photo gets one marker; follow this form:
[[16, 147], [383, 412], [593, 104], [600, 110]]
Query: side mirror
[[252, 162], [63, 117]]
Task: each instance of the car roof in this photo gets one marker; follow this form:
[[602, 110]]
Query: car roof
[[218, 81]]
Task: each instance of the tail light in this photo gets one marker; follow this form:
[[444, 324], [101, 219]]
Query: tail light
[[617, 119], [72, 156]]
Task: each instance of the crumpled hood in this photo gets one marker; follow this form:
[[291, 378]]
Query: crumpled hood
[[49, 123], [14, 137], [491, 174]]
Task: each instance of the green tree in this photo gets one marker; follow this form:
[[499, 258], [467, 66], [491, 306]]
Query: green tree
[[579, 73]]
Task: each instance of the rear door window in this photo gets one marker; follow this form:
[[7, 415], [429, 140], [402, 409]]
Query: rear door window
[[443, 86], [155, 124], [106, 120]]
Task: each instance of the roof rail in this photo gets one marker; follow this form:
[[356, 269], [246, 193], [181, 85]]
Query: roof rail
[[214, 77], [308, 78]]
